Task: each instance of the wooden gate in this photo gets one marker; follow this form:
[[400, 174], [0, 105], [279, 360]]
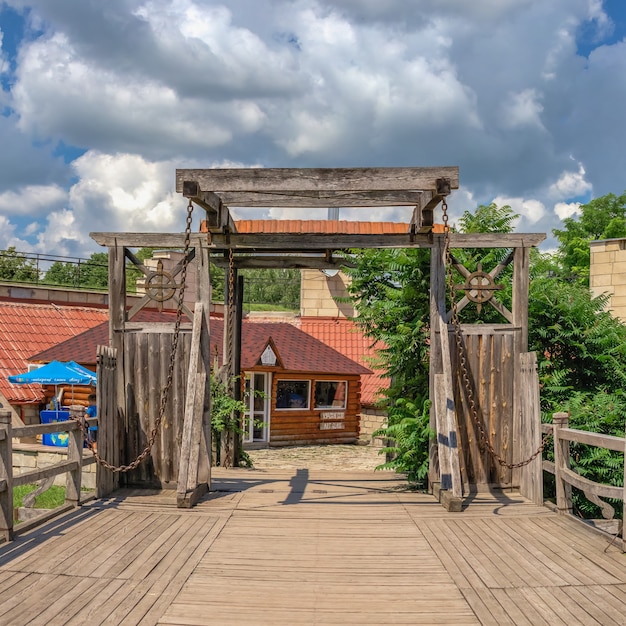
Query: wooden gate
[[143, 347], [142, 336], [460, 456]]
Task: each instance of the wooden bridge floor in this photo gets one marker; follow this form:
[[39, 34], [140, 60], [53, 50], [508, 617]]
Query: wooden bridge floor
[[293, 547]]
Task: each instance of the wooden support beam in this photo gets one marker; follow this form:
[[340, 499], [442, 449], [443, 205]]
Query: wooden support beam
[[318, 179], [284, 262], [320, 199], [319, 242], [218, 217], [424, 213]]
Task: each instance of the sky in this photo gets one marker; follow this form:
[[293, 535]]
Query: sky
[[100, 102]]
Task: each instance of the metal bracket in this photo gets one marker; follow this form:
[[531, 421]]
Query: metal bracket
[[444, 187]]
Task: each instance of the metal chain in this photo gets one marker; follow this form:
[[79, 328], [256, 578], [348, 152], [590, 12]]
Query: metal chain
[[170, 372], [462, 358]]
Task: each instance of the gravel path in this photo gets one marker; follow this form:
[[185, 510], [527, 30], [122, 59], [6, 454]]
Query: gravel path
[[331, 457]]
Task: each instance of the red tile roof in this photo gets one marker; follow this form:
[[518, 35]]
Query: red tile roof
[[321, 226], [26, 328], [345, 336], [297, 351]]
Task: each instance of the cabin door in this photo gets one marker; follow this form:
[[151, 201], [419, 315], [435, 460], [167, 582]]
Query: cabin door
[[257, 427]]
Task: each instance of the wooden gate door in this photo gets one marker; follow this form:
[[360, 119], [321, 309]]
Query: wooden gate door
[[143, 336], [461, 457]]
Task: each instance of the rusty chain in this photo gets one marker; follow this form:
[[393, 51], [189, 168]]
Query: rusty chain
[[462, 359], [170, 372]]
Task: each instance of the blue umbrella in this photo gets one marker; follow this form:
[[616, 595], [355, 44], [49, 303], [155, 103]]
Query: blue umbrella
[[56, 373]]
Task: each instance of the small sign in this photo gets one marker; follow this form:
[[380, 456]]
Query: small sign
[[331, 426], [332, 415]]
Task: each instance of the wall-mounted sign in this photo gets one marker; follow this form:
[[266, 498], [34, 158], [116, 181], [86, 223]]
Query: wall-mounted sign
[[331, 425], [332, 415]]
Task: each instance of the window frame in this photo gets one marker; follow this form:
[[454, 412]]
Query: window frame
[[306, 381], [331, 407]]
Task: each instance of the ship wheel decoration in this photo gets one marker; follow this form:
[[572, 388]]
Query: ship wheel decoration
[[158, 285], [480, 286]]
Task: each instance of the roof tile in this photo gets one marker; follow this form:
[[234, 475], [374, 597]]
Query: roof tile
[[26, 328], [345, 336]]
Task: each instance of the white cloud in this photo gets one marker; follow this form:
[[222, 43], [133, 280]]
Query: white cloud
[[530, 210], [571, 184], [494, 86], [522, 109], [32, 199], [8, 237], [564, 209]]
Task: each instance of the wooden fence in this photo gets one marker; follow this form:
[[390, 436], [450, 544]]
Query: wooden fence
[[566, 478], [72, 466]]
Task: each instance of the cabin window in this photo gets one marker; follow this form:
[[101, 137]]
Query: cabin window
[[292, 394], [330, 394]]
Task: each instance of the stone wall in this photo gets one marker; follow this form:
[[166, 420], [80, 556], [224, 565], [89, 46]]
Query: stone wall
[[607, 273], [318, 292], [27, 457], [371, 420]]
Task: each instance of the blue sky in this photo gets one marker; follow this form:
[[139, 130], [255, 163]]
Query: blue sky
[[102, 101]]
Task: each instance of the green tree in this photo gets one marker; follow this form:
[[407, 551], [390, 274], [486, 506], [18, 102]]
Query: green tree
[[90, 273], [601, 218], [16, 267], [390, 291], [279, 287], [60, 273]]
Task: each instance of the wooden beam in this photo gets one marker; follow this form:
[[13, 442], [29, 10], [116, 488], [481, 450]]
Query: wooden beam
[[218, 217], [320, 242], [424, 212], [284, 262], [318, 179], [320, 199]]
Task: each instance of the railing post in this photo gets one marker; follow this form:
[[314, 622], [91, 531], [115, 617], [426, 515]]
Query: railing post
[[6, 477], [561, 461], [75, 453]]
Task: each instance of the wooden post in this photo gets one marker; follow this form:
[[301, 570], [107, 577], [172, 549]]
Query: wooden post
[[204, 296], [75, 453], [439, 405], [521, 264], [437, 292], [6, 476], [561, 460], [528, 420]]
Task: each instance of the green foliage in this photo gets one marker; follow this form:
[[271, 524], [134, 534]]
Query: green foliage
[[390, 290], [91, 274], [409, 431], [16, 267], [601, 218], [280, 287], [579, 345], [49, 499], [226, 414]]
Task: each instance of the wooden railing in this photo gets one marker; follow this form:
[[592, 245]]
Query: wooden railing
[[72, 466], [566, 478]]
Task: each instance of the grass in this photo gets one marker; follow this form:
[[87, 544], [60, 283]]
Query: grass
[[50, 499]]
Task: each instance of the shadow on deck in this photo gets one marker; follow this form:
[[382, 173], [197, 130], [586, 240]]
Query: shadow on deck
[[311, 547]]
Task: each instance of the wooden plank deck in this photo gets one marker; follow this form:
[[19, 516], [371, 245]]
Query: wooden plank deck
[[300, 547]]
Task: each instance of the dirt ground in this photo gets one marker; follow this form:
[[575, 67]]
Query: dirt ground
[[331, 457]]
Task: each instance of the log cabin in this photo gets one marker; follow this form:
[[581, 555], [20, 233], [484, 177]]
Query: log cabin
[[306, 392]]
